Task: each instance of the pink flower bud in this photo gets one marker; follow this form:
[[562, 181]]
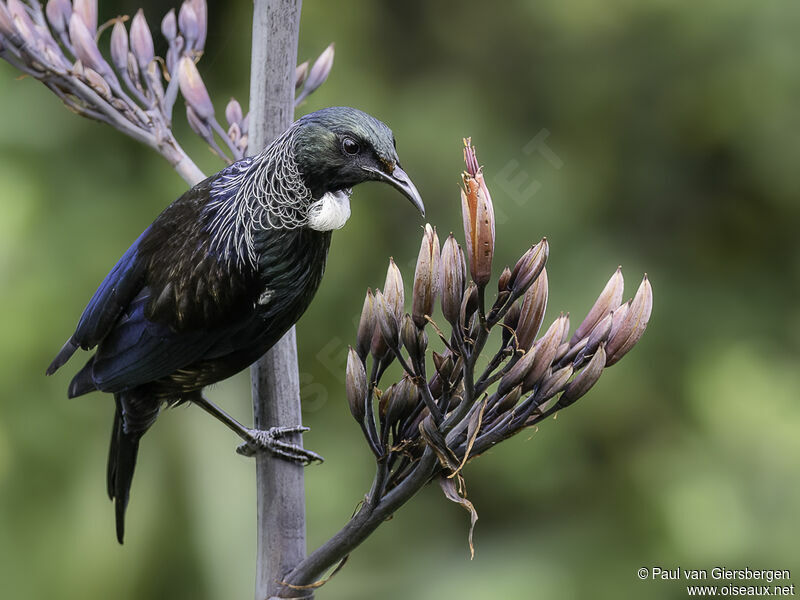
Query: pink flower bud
[[608, 300], [320, 70], [632, 324], [169, 26], [233, 112], [201, 13], [87, 9], [141, 40], [119, 46], [193, 89], [187, 21], [58, 14]]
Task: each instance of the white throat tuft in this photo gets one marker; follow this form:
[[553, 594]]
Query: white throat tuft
[[330, 212]]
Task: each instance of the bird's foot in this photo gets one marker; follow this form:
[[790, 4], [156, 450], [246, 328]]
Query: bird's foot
[[270, 440]]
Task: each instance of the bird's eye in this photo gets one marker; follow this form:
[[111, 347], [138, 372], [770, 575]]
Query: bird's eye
[[350, 146]]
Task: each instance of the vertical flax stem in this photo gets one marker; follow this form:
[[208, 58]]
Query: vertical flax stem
[[276, 390]]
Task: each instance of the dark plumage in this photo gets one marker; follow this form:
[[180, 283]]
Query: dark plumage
[[221, 275]]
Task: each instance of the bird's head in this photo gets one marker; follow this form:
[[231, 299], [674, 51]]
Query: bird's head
[[339, 147]]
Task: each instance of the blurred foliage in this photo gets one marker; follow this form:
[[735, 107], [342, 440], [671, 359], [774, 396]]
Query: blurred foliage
[[675, 128]]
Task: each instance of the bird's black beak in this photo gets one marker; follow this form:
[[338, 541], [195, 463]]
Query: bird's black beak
[[399, 179]]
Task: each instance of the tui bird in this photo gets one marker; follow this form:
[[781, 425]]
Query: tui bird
[[220, 276]]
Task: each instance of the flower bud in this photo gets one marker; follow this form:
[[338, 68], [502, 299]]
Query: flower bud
[[478, 216], [545, 351], [597, 336], [469, 304], [193, 89], [87, 10], [452, 280], [7, 28], [618, 317], [415, 340], [632, 324], [529, 266], [426, 277], [510, 400], [503, 281], [393, 291], [320, 70], [585, 379], [97, 83], [119, 46], [510, 324], [517, 373], [300, 74], [169, 26], [233, 112], [608, 300], [387, 321], [141, 40], [198, 125], [553, 384], [366, 326], [86, 47], [58, 14], [356, 385], [402, 401], [201, 13], [531, 315], [187, 22]]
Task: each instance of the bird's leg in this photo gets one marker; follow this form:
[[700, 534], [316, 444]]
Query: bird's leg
[[258, 439]]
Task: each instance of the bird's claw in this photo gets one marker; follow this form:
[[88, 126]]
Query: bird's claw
[[269, 440]]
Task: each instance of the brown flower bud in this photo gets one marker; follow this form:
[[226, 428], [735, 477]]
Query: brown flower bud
[[469, 304], [631, 325], [510, 400], [393, 291], [58, 14], [531, 315], [320, 70], [452, 280], [142, 41], [585, 379], [366, 326], [415, 340], [510, 324], [387, 321], [517, 373], [608, 300], [402, 401], [426, 277], [553, 384], [545, 351], [192, 87], [597, 336], [503, 281], [119, 46], [356, 385], [87, 9], [169, 26], [529, 266], [478, 216]]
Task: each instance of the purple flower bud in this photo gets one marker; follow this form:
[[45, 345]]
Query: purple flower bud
[[452, 280], [608, 300], [300, 74], [193, 89], [119, 46], [356, 386], [532, 311], [201, 13], [584, 380], [632, 325], [478, 216], [320, 70], [58, 14], [22, 24], [529, 266], [233, 112], [141, 40], [198, 125], [87, 9], [187, 21], [169, 26], [86, 47], [426, 277], [366, 326], [6, 23]]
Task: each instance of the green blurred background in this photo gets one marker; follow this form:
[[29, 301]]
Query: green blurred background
[[672, 128]]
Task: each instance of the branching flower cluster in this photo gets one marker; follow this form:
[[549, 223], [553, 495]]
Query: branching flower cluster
[[131, 88], [474, 399]]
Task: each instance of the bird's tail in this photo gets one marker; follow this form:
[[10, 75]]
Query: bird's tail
[[131, 420]]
